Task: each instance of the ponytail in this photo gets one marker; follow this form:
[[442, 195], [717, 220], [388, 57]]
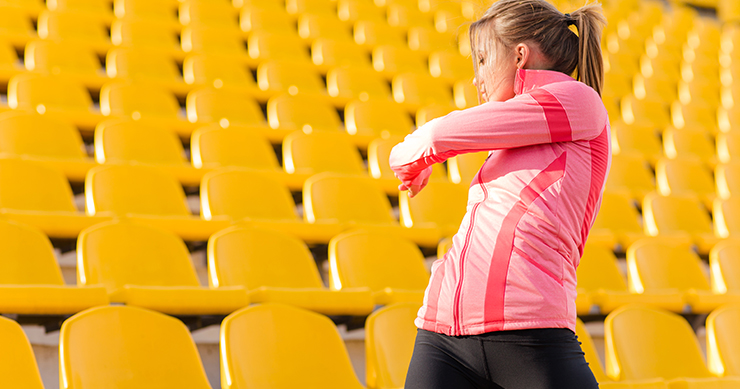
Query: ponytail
[[590, 21]]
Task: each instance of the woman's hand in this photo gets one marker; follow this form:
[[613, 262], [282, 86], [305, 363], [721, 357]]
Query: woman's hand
[[414, 189]]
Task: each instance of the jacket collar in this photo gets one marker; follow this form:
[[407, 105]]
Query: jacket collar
[[528, 79]]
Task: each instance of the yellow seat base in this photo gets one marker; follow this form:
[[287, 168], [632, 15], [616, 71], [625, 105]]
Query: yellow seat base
[[390, 296], [705, 383], [609, 300], [183, 300], [55, 224], [704, 301], [328, 302], [50, 299], [189, 228]]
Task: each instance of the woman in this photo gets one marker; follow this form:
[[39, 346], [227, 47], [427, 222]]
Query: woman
[[499, 311]]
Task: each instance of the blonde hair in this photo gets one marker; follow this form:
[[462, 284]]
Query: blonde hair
[[510, 22]]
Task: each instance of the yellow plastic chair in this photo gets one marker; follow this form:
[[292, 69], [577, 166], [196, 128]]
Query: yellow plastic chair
[[377, 119], [150, 268], [18, 364], [286, 46], [726, 223], [33, 136], [228, 108], [407, 15], [685, 176], [679, 217], [631, 174], [9, 63], [213, 146], [98, 9], [276, 267], [126, 348], [31, 282], [426, 40], [218, 73], [313, 26], [215, 40], [327, 53], [145, 101], [415, 90], [354, 10], [601, 280], [148, 195], [723, 341], [72, 27], [321, 151], [432, 111], [391, 266], [465, 94], [364, 84], [147, 66], [55, 96], [728, 147], [369, 34], [647, 113], [266, 20], [699, 115], [452, 18], [463, 168], [389, 343], [617, 222], [637, 139], [283, 76], [317, 7], [15, 26], [147, 35], [259, 341], [163, 12], [440, 204], [390, 61], [655, 265], [378, 154], [67, 59], [259, 199], [219, 13], [689, 143], [301, 112], [724, 265]]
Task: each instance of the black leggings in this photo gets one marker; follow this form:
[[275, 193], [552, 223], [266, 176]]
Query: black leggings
[[548, 358]]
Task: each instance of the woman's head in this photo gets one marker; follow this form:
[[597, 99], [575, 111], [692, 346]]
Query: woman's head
[[533, 34]]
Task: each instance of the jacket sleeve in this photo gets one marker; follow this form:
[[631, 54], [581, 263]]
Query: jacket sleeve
[[525, 120]]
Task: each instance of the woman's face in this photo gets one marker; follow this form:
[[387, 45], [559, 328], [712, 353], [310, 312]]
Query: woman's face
[[496, 73]]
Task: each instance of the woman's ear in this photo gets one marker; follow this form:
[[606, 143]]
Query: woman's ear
[[522, 54]]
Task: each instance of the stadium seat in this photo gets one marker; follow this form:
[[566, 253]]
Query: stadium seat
[[432, 111], [354, 10], [389, 343], [9, 63], [128, 347], [645, 113], [677, 217], [617, 222], [377, 119], [318, 7], [147, 195], [391, 266], [462, 168], [689, 143], [638, 140], [73, 61], [726, 222], [18, 364], [369, 34], [95, 9], [266, 20], [724, 265], [125, 140], [15, 26], [72, 27], [673, 354], [417, 90], [29, 135], [313, 26], [390, 61], [450, 20], [147, 35], [258, 342], [152, 67], [228, 108], [364, 84], [728, 147], [286, 46], [260, 200], [602, 284], [404, 16], [149, 268], [145, 101], [465, 94], [161, 12], [227, 43], [723, 343], [700, 115], [321, 151], [288, 77], [355, 201], [425, 40], [213, 146], [214, 13], [302, 112], [659, 266], [31, 282], [220, 73], [629, 173], [278, 268], [40, 196], [54, 96], [441, 205], [685, 176], [327, 53], [378, 154]]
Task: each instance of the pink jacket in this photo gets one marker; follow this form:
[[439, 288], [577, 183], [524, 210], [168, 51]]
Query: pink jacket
[[512, 264]]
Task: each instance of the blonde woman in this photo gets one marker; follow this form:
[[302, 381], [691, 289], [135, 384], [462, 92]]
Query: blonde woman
[[499, 311]]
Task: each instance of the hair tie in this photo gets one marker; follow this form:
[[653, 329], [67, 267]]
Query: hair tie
[[569, 20]]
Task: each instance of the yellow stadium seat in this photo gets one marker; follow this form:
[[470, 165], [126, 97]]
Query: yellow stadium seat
[[630, 174], [392, 267], [377, 119], [124, 140], [723, 342], [214, 13], [450, 66], [259, 341], [655, 89], [128, 347], [15, 26], [356, 201], [390, 61], [389, 343], [727, 178], [301, 113], [9, 63], [277, 46], [407, 16], [97, 9], [450, 20], [662, 68], [685, 176], [321, 151], [69, 60], [425, 40], [31, 281], [431, 111], [600, 278], [678, 217], [144, 101], [33, 136], [278, 268], [697, 104], [319, 7], [313, 26], [266, 20], [214, 40], [147, 195], [417, 90], [440, 204], [354, 10], [369, 34], [229, 108], [72, 27], [462, 168], [728, 118], [378, 155], [18, 364], [728, 147], [637, 139], [465, 94], [150, 268], [726, 222], [54, 96], [219, 73], [617, 222], [657, 265], [147, 35], [365, 84], [213, 146], [327, 53], [648, 113], [287, 77], [724, 264], [162, 12], [148, 66], [689, 143], [40, 196]]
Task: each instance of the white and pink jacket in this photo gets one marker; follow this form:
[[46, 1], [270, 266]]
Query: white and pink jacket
[[512, 264]]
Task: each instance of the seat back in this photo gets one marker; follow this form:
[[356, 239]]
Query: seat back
[[674, 213], [213, 146], [723, 341], [688, 143], [392, 60], [637, 139], [61, 58], [462, 168], [377, 261], [427, 40], [243, 193], [210, 105], [617, 213], [25, 185], [72, 26], [27, 256], [644, 343], [124, 189], [727, 178], [728, 147], [258, 342], [137, 100], [629, 172], [592, 357], [328, 53], [119, 253], [598, 270], [267, 20], [218, 13], [389, 343], [26, 133], [724, 265], [147, 10], [297, 112], [284, 76], [440, 203], [420, 89], [654, 265], [321, 151], [124, 140], [330, 197], [128, 347], [143, 33], [683, 176], [360, 83], [141, 64], [254, 258], [318, 25], [287, 45], [377, 117], [726, 222], [450, 66], [215, 71], [374, 33], [39, 93], [213, 40], [17, 363]]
